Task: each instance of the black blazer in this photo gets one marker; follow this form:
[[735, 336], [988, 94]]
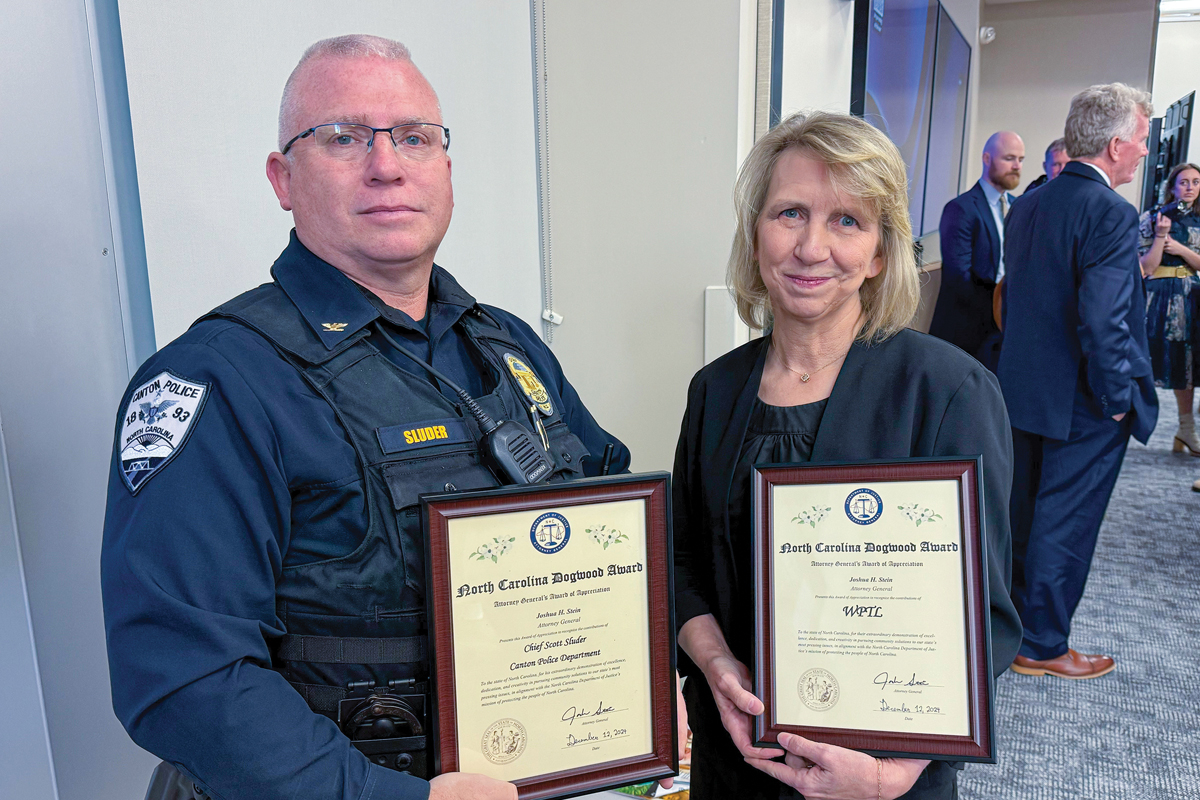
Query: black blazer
[[970, 261], [1075, 308], [911, 395]]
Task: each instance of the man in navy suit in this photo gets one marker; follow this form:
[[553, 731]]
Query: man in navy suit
[[1074, 367], [972, 234]]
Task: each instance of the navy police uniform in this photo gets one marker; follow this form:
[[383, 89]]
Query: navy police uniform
[[263, 553]]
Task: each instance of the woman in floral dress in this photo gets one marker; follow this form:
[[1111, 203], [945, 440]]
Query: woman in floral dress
[[1170, 258]]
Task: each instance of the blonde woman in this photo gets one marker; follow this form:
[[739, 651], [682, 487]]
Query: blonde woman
[[822, 261]]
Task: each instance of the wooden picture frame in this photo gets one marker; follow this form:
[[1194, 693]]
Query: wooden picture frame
[[906, 689], [550, 550]]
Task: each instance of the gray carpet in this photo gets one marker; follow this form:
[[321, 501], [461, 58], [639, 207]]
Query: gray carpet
[[1135, 733]]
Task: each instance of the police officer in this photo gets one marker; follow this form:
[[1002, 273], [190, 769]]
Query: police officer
[[262, 567]]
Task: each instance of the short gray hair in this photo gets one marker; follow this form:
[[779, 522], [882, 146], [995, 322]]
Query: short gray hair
[[355, 45], [1101, 113], [1059, 145]]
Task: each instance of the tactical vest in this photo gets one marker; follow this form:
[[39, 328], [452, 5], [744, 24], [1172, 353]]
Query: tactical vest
[[359, 620]]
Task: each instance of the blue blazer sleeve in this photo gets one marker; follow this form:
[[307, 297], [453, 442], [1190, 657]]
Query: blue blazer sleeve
[[188, 572], [1106, 295], [955, 230]]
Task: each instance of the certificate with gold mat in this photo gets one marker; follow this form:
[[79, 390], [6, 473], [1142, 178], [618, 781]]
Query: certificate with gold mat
[[552, 632], [872, 607]]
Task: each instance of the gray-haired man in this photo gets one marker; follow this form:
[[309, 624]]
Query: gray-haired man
[[1074, 368]]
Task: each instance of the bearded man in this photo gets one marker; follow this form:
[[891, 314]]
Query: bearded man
[[972, 235]]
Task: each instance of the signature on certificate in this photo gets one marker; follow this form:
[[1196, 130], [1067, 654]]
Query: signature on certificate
[[886, 679], [573, 713]]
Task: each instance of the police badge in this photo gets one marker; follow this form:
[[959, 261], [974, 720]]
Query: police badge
[[529, 383]]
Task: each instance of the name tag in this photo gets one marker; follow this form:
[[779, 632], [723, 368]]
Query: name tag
[[398, 438]]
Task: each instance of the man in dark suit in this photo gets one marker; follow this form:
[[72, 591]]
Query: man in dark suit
[[1074, 367], [1056, 159], [972, 234]]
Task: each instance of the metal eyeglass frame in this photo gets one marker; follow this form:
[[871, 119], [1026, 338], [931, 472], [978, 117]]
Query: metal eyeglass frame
[[374, 132]]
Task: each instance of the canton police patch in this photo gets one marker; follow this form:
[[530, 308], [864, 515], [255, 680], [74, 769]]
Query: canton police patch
[[156, 424]]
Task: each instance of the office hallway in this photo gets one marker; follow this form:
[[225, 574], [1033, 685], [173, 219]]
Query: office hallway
[[1133, 734]]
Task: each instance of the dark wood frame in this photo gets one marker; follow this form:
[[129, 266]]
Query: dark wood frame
[[978, 745], [654, 489]]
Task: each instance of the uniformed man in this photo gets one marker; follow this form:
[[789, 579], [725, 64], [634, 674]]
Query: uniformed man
[[263, 566]]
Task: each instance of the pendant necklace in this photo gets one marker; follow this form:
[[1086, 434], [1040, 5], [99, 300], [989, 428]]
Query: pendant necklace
[[806, 376]]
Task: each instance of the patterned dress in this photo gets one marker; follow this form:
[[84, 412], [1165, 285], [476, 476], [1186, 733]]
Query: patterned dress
[[1173, 309]]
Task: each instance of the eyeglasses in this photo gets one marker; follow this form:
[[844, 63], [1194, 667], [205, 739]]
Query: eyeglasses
[[347, 141]]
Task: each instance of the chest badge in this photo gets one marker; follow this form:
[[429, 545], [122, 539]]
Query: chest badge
[[530, 385], [334, 327]]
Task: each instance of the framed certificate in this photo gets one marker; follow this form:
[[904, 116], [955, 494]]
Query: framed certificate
[[872, 607], [552, 633]]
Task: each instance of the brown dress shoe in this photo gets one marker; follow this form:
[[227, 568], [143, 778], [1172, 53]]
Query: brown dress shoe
[[1072, 665]]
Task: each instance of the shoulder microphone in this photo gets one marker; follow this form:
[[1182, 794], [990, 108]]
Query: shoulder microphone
[[510, 451]]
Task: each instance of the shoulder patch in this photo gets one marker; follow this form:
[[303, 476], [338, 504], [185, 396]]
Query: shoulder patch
[[156, 424]]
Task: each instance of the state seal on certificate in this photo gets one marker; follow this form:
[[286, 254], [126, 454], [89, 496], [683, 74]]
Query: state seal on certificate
[[871, 607], [552, 634], [819, 689]]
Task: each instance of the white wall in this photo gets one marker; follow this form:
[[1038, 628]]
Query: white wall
[[26, 766], [204, 84], [1047, 52], [643, 150], [65, 361], [1176, 72]]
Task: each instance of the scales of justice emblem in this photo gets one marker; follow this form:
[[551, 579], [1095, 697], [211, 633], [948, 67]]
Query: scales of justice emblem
[[550, 532], [863, 506]]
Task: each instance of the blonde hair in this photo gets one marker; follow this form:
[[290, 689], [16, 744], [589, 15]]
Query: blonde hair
[[862, 164]]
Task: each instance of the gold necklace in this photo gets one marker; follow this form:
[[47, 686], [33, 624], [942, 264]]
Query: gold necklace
[[805, 376]]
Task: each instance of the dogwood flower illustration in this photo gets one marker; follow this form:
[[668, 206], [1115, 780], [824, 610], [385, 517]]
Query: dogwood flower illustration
[[604, 535], [918, 515], [811, 516], [493, 549]]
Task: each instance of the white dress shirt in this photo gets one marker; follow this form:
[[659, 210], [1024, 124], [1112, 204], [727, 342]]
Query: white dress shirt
[[993, 196], [1102, 173]]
